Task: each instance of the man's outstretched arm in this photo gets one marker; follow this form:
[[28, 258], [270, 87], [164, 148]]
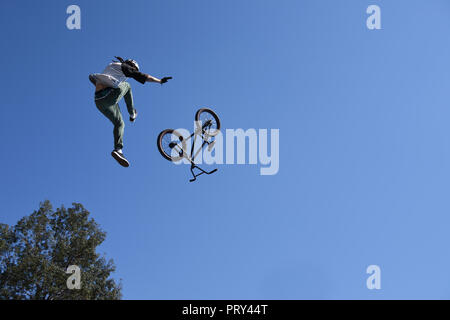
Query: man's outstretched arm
[[141, 77], [153, 79]]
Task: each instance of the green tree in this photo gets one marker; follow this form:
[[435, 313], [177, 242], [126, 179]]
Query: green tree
[[36, 252]]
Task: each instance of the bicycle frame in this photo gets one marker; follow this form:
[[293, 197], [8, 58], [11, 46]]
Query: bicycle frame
[[199, 131]]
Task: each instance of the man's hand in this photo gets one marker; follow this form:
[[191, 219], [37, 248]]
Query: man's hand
[[165, 79]]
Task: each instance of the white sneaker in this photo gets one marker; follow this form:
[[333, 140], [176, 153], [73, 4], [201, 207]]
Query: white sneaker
[[120, 158], [133, 116]]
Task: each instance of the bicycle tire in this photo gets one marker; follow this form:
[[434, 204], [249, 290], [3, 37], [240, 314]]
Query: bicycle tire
[[162, 141], [206, 111]]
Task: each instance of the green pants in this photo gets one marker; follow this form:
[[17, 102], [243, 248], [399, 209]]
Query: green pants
[[107, 101]]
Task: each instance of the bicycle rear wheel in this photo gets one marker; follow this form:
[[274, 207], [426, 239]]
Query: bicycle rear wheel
[[210, 121], [171, 145]]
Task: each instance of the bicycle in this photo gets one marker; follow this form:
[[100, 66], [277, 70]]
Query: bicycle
[[172, 145]]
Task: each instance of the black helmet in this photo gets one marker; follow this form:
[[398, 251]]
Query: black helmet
[[130, 62]]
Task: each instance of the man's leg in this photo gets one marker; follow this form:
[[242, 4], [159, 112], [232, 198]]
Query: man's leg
[[112, 112], [127, 94]]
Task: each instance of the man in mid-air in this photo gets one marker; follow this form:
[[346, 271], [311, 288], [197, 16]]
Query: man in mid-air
[[110, 87]]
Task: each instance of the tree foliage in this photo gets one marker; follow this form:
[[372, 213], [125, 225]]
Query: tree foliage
[[36, 252]]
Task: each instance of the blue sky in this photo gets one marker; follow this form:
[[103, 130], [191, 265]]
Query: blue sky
[[364, 142]]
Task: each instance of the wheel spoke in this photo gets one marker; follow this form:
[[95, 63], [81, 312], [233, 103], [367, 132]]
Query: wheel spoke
[[212, 126], [172, 146]]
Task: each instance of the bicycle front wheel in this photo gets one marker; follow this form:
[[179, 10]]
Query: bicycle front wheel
[[171, 145], [209, 120]]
